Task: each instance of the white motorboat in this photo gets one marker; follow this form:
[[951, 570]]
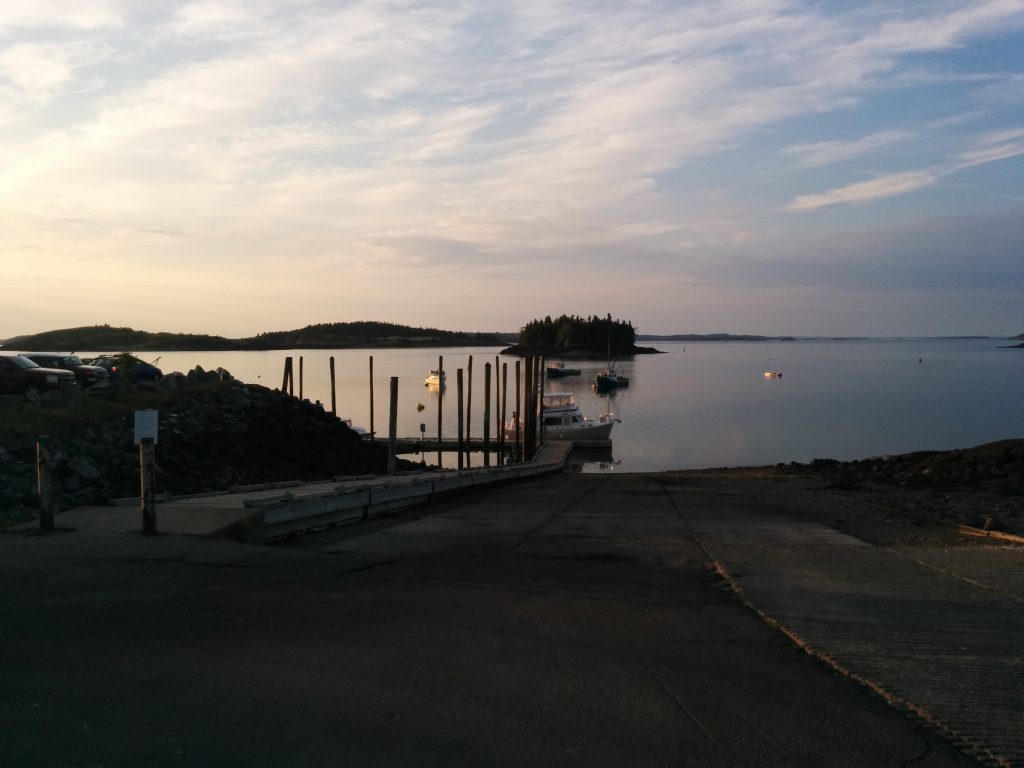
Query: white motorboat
[[435, 379], [363, 432], [561, 420]]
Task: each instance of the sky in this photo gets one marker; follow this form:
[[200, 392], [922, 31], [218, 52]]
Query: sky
[[745, 166]]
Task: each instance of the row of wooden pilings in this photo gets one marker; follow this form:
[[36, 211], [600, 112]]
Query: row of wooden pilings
[[526, 407]]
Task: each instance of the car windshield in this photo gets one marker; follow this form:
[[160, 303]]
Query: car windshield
[[23, 362], [73, 360]]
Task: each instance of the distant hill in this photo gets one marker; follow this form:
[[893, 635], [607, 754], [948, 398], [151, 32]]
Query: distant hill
[[713, 337], [105, 337], [320, 336]]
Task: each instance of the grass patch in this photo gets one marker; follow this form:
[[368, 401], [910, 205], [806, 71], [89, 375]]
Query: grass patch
[[44, 418]]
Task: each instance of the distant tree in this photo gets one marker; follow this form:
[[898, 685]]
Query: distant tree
[[566, 333]]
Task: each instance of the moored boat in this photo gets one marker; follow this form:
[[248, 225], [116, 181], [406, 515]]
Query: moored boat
[[561, 420], [609, 379], [363, 432], [558, 370], [435, 378]]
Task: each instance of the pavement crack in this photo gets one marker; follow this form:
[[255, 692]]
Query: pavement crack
[[928, 751], [688, 712], [530, 534]]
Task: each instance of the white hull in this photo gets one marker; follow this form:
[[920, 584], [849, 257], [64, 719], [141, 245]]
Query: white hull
[[595, 431], [561, 420]]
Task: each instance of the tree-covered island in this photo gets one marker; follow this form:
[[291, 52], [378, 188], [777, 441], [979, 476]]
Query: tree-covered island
[[318, 336], [577, 337]]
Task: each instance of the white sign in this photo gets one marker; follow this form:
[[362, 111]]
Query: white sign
[[146, 423]]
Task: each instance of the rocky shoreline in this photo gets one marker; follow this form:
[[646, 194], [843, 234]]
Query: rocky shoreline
[[214, 433], [894, 498]]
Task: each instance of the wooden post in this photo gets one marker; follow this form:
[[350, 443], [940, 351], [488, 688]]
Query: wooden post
[[287, 384], [540, 403], [487, 414], [372, 433], [497, 400], [527, 405], [504, 413], [469, 407], [530, 408], [440, 404], [147, 475], [517, 413], [469, 397], [44, 484], [458, 393], [334, 392], [393, 425], [300, 377]]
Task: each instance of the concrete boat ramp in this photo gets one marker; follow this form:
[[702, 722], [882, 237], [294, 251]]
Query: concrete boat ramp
[[265, 513], [569, 620]]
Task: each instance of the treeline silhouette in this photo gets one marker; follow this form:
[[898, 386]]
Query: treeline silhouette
[[318, 336], [573, 333]]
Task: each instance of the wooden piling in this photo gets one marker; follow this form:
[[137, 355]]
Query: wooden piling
[[527, 404], [372, 433], [540, 403], [334, 392], [440, 401], [469, 397], [300, 377], [497, 400], [504, 413], [458, 394], [516, 414], [487, 414], [147, 475], [44, 484], [288, 383], [393, 425]]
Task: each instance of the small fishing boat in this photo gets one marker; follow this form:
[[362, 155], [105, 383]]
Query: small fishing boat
[[435, 379], [773, 374], [561, 420], [558, 370], [609, 379]]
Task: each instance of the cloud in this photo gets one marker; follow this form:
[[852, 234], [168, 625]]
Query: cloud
[[60, 14], [827, 152], [989, 148], [888, 185]]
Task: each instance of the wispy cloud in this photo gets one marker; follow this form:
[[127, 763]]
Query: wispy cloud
[[990, 148], [889, 185], [827, 152]]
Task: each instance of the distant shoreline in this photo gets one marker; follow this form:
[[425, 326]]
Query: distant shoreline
[[579, 354]]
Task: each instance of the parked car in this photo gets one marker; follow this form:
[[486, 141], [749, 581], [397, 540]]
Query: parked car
[[126, 363], [87, 375], [20, 376]]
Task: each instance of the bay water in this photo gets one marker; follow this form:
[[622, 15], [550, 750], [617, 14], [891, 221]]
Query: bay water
[[700, 404]]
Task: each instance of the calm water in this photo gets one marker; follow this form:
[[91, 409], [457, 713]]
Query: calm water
[[706, 404]]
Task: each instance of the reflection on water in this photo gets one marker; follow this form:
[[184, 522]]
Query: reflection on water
[[590, 460], [710, 405]]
